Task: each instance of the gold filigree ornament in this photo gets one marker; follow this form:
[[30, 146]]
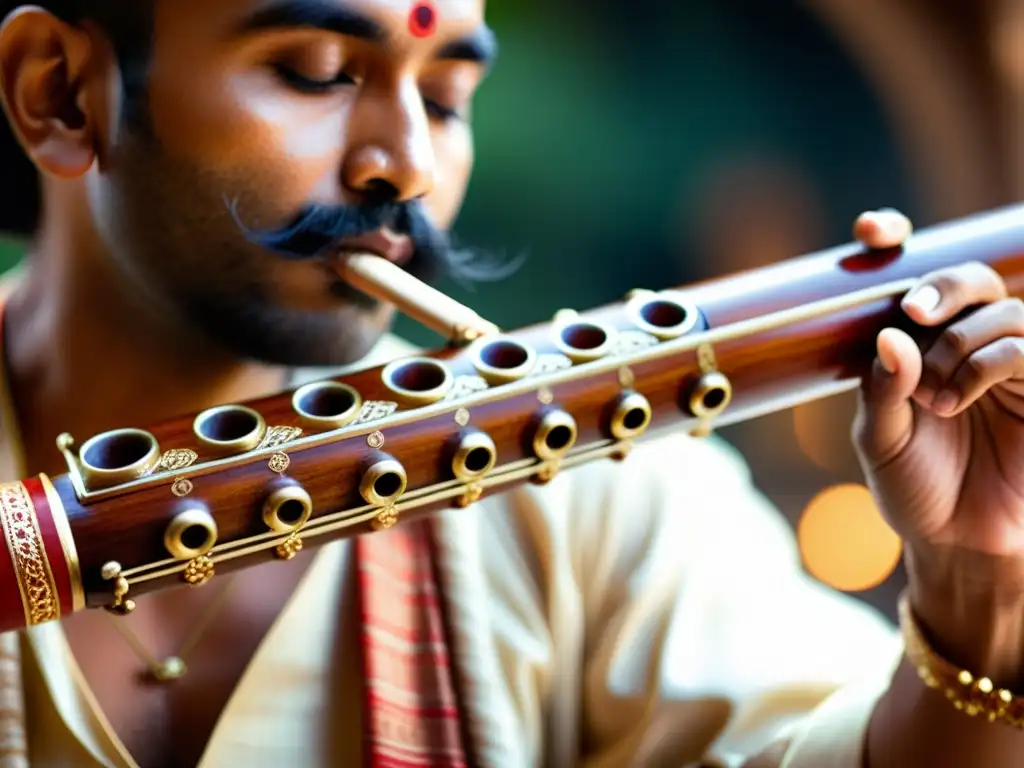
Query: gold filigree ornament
[[276, 436], [547, 471], [176, 459], [470, 495], [198, 571], [27, 551], [465, 386], [279, 462], [288, 548], [550, 362], [631, 342], [375, 410], [181, 486], [385, 519]]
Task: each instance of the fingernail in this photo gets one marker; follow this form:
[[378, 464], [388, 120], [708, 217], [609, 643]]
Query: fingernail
[[945, 401], [888, 220], [926, 298]]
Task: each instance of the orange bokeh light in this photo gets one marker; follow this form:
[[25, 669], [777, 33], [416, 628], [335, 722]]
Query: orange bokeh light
[[844, 540]]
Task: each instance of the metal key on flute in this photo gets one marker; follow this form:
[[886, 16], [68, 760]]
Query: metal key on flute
[[148, 508]]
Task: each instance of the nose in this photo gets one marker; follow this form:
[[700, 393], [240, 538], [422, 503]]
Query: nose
[[390, 154]]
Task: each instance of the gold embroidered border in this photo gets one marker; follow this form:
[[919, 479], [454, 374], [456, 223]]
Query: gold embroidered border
[[67, 543], [28, 555]]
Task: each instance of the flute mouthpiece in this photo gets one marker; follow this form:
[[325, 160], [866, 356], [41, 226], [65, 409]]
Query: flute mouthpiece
[[385, 281]]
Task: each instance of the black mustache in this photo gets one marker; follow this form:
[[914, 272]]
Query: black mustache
[[316, 229]]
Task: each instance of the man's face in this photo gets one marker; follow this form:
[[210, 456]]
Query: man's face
[[272, 128]]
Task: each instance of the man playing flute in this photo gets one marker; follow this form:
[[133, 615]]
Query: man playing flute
[[196, 159]]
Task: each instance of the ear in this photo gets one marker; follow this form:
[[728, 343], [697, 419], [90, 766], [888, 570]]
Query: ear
[[43, 88]]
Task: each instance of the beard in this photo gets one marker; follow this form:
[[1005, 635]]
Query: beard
[[181, 238]]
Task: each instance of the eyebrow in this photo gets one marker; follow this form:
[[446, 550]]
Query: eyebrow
[[480, 46], [321, 14]]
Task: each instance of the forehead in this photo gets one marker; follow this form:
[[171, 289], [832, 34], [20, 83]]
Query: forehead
[[220, 18]]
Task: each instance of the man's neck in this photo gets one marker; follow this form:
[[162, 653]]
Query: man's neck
[[85, 354]]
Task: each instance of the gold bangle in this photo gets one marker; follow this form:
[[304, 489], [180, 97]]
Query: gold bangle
[[969, 694]]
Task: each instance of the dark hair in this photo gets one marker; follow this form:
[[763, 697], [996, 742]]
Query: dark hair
[[128, 24]]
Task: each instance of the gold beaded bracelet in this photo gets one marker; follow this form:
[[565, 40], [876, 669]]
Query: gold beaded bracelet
[[974, 696]]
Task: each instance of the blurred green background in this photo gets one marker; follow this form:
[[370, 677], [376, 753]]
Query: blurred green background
[[605, 125]]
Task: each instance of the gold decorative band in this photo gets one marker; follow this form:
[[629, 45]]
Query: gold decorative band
[[28, 555], [67, 543], [974, 696]]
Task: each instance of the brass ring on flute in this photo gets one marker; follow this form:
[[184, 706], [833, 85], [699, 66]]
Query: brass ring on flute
[[662, 315], [324, 405], [503, 360], [191, 534], [287, 508], [631, 416], [710, 395], [118, 456], [417, 380], [584, 340], [229, 429], [475, 455], [555, 435], [383, 482]]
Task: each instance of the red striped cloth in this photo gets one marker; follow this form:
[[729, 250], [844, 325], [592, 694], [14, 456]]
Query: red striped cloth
[[411, 709]]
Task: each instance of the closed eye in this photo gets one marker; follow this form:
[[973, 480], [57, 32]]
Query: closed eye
[[440, 111], [307, 85], [293, 79]]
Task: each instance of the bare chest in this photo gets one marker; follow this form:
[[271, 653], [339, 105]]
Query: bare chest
[[165, 724]]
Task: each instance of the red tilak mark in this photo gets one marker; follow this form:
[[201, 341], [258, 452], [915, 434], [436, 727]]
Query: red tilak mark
[[422, 19]]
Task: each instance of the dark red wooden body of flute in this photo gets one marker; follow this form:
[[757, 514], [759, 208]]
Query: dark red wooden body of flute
[[144, 509]]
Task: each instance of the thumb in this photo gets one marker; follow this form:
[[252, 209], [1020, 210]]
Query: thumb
[[886, 420]]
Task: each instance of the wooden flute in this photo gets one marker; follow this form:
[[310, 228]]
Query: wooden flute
[[144, 509]]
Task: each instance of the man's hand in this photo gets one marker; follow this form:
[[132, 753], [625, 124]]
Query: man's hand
[[940, 436]]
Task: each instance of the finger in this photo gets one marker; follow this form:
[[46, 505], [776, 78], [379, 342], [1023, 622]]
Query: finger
[[962, 339], [941, 295], [885, 421], [885, 228], [1000, 361]]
